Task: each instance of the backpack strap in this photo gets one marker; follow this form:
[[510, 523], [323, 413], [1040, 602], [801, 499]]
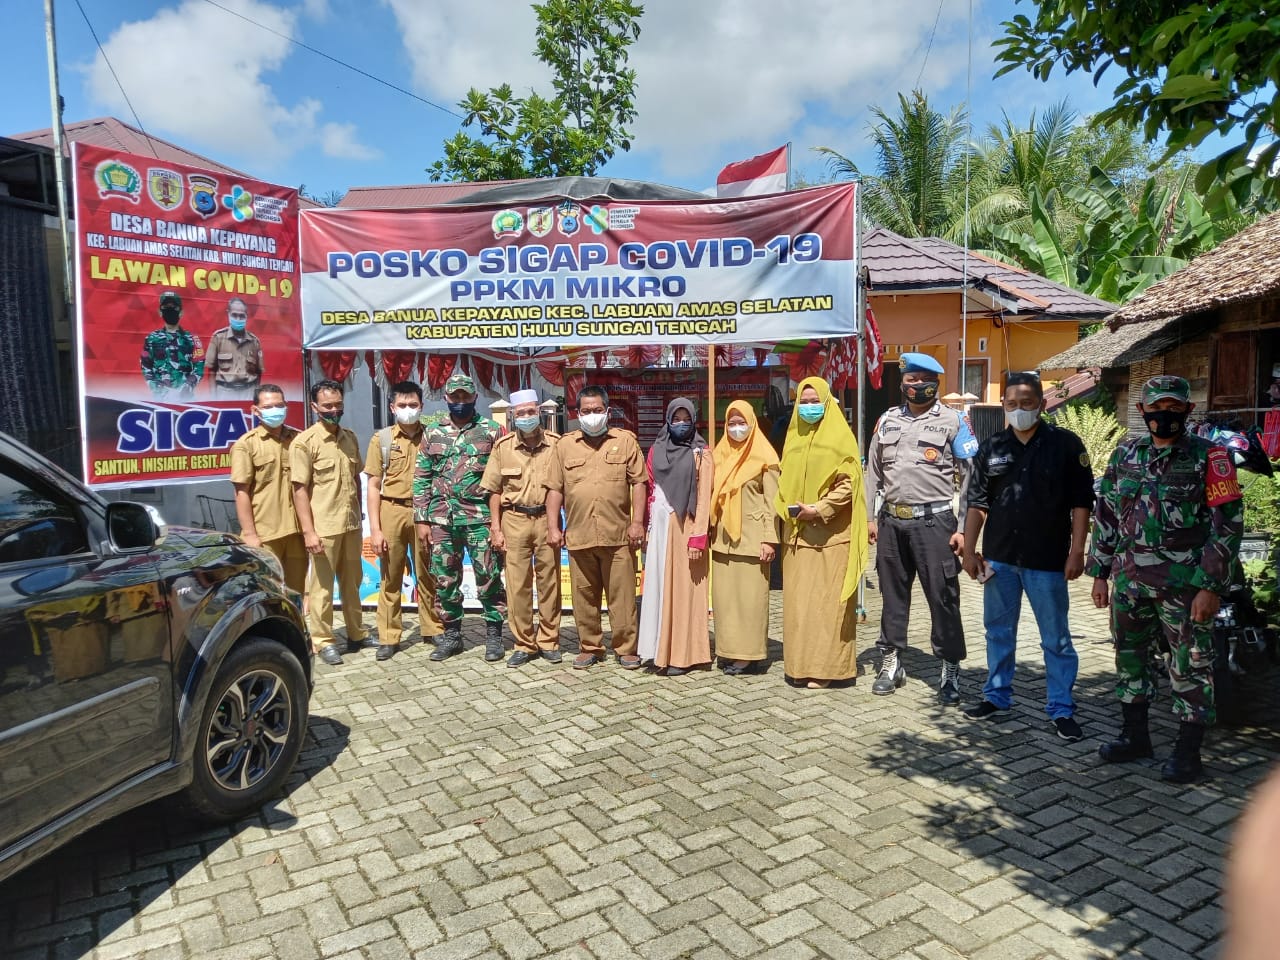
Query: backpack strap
[[384, 438]]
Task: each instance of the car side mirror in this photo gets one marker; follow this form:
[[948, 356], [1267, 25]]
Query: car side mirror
[[133, 526]]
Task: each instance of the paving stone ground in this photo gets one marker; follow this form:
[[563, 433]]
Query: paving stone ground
[[464, 810]]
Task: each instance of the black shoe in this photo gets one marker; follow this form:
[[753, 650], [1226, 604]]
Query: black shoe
[[552, 656], [448, 644], [949, 684], [520, 658], [330, 655], [355, 646], [386, 651], [493, 648], [1183, 765], [1068, 729], [676, 671], [985, 711], [892, 675], [733, 670], [1134, 742]]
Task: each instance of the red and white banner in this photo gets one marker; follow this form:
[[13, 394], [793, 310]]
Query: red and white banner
[[187, 299], [558, 272], [766, 173]]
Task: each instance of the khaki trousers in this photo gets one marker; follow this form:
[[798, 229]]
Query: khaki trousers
[[340, 559], [529, 555], [612, 571], [291, 551], [403, 547]]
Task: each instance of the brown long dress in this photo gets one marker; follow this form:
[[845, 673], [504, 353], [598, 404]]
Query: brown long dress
[[819, 631], [684, 639], [739, 581]]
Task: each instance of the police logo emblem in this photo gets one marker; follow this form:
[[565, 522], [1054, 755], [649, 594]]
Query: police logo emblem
[[931, 454], [116, 179], [569, 218], [507, 223], [540, 220], [1084, 459], [204, 194], [164, 187]]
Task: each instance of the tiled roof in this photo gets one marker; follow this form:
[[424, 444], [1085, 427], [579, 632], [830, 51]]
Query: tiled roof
[[919, 264], [115, 134], [413, 195]]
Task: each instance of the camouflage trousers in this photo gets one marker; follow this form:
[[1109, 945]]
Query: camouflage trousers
[[1136, 624], [447, 546]]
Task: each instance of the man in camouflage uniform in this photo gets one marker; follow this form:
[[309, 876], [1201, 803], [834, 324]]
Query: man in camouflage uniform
[[451, 513], [1167, 529], [172, 358]]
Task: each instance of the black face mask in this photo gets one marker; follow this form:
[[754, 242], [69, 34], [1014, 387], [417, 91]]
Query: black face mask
[[1166, 424], [920, 393], [462, 411], [171, 317]]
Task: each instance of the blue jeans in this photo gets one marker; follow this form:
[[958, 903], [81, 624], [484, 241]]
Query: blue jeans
[[1002, 602]]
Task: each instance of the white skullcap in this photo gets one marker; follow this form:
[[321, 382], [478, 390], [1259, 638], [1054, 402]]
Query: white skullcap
[[524, 396]]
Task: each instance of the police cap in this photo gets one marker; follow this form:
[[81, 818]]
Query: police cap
[[919, 363]]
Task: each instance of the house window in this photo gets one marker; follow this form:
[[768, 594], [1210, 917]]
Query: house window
[[976, 379], [1232, 385]]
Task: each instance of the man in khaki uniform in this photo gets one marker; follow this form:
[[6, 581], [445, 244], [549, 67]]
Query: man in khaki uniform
[[324, 463], [515, 477], [598, 476], [393, 451], [264, 495], [234, 358]]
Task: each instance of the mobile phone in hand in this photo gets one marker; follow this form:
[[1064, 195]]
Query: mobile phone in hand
[[793, 510], [986, 573]]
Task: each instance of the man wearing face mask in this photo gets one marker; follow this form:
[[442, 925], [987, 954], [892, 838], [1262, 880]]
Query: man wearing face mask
[[324, 467], [235, 356], [598, 476], [1032, 489], [388, 464], [1167, 531], [918, 452], [172, 357], [451, 512], [515, 478], [264, 493]]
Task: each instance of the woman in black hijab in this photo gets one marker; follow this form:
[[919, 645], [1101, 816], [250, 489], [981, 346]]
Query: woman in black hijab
[[673, 611]]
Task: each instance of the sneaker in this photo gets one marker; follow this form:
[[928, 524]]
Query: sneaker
[[892, 675], [985, 711], [1068, 729], [949, 684]]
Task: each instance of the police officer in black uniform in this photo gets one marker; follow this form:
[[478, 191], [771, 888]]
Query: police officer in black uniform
[[916, 453]]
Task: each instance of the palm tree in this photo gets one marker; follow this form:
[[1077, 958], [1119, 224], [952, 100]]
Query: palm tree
[[917, 151]]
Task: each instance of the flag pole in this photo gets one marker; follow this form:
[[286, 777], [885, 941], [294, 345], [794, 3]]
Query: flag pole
[[860, 331], [790, 185]]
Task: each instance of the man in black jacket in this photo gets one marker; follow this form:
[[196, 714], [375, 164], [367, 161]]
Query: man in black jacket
[[1032, 487]]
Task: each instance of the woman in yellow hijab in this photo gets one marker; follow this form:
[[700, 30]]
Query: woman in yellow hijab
[[744, 540], [822, 504]]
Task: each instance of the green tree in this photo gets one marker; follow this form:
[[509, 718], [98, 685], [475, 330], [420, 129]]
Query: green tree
[[575, 131], [917, 153], [1190, 70]]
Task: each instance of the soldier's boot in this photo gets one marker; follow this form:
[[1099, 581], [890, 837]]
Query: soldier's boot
[[449, 643], [949, 685], [892, 675], [493, 647], [1134, 742], [1183, 765]]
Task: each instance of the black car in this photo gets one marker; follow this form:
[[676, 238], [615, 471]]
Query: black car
[[135, 661]]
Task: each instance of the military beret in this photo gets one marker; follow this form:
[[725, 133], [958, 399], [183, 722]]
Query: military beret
[[919, 363], [1166, 387], [460, 381]]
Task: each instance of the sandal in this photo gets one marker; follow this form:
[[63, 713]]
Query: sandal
[[630, 662], [818, 684]]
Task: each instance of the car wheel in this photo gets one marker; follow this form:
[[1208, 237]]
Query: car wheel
[[250, 733]]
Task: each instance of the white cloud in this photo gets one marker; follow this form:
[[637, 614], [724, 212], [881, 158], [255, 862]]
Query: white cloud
[[197, 74], [712, 74]]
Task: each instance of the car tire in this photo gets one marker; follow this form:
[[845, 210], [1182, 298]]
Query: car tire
[[251, 731]]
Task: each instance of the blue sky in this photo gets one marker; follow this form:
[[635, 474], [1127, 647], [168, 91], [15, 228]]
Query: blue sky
[[719, 80]]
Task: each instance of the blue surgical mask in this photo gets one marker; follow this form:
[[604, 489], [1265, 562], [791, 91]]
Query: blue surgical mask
[[680, 431], [528, 424], [273, 416], [811, 412], [238, 325]]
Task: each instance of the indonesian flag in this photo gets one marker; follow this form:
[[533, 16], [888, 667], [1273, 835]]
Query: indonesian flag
[[875, 351], [766, 173]]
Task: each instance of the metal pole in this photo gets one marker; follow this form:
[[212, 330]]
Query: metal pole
[[711, 395], [860, 320], [59, 164]]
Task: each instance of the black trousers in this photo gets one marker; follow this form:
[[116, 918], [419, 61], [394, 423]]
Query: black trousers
[[905, 548]]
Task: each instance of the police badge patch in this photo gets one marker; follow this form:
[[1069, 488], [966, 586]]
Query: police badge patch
[[204, 194], [164, 187]]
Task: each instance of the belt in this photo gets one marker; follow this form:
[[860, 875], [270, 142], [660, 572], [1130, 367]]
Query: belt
[[539, 511], [909, 511], [399, 501], [236, 383]]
